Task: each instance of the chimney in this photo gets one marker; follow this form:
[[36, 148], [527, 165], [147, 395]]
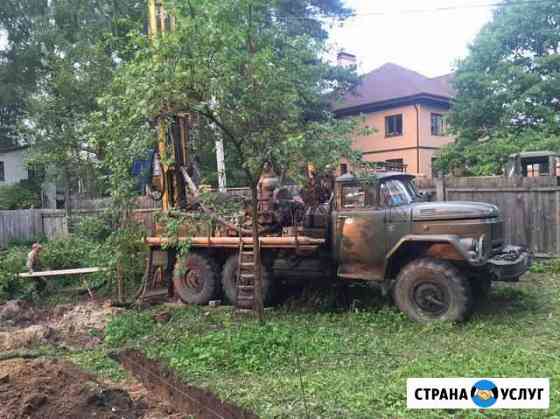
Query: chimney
[[345, 59]]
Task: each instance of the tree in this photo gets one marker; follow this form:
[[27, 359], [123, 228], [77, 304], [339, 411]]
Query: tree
[[252, 70], [60, 56], [508, 87], [19, 63]]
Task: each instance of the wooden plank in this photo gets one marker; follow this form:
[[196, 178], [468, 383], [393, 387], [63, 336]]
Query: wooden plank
[[61, 272]]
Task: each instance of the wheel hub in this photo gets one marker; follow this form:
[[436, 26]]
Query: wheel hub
[[192, 278], [431, 297]]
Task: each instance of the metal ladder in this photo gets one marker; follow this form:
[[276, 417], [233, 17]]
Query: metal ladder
[[245, 295]]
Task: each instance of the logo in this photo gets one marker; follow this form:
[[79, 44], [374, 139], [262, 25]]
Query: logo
[[484, 393], [477, 393]]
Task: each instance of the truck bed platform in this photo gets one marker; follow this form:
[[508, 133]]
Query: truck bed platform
[[266, 242]]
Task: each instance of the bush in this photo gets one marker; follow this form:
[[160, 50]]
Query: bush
[[22, 195], [68, 253], [12, 261], [96, 228]]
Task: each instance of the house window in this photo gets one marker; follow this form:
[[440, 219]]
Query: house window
[[2, 174], [393, 125], [343, 169], [438, 124]]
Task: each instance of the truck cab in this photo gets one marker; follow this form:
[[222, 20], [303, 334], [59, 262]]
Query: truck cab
[[435, 256]]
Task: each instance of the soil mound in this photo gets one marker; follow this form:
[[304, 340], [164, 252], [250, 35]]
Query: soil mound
[[57, 389], [81, 325]]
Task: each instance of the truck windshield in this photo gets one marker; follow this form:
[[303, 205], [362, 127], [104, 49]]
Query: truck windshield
[[395, 192]]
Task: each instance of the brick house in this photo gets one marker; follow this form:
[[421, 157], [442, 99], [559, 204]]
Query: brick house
[[406, 110]]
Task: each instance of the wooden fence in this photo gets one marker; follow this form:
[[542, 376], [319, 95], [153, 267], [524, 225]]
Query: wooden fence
[[32, 224], [530, 206]]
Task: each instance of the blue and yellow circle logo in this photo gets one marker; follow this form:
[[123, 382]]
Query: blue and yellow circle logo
[[484, 393]]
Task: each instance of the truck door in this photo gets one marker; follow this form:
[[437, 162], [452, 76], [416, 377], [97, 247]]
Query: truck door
[[396, 197], [359, 233]]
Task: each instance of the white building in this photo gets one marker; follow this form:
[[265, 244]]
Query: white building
[[12, 166]]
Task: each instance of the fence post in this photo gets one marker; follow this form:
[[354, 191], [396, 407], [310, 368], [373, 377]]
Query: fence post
[[440, 188]]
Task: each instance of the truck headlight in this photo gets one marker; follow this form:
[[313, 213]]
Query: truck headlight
[[481, 243]]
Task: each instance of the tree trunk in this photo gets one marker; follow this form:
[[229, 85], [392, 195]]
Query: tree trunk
[[259, 303]]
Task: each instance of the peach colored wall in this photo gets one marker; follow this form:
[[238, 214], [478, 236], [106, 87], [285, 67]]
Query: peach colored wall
[[379, 144], [377, 140], [426, 162], [426, 137]]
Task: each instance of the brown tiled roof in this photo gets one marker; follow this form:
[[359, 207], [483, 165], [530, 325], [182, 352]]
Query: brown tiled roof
[[392, 82]]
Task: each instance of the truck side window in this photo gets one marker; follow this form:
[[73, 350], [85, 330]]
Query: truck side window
[[394, 193], [353, 197]]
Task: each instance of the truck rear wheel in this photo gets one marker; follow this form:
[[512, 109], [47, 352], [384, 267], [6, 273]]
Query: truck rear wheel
[[195, 278], [229, 280], [430, 289]]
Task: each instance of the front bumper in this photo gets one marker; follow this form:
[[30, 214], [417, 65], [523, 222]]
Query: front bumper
[[509, 264]]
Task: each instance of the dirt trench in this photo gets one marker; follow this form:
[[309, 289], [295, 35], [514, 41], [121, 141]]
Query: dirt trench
[[46, 388], [164, 384]]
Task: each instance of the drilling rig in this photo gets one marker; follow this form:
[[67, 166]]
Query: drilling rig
[[435, 257]]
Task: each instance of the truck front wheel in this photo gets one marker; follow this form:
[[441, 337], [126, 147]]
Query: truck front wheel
[[195, 278], [431, 289]]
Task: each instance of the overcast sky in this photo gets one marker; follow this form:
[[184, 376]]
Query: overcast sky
[[412, 33]]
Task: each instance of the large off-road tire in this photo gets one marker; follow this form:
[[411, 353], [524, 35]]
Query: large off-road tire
[[229, 281], [431, 289], [195, 278]]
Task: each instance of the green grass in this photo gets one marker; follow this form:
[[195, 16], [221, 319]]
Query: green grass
[[354, 364], [96, 361]]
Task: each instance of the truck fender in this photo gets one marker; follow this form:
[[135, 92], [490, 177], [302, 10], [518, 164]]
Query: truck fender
[[444, 246]]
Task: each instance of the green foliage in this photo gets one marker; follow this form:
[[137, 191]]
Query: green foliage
[[96, 228], [490, 157], [22, 195], [60, 56], [67, 253], [97, 362], [508, 88], [12, 262], [64, 253], [129, 326], [124, 253], [259, 82], [550, 266], [85, 248]]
